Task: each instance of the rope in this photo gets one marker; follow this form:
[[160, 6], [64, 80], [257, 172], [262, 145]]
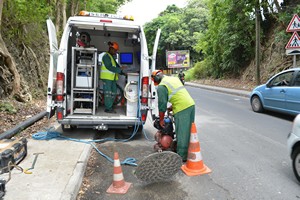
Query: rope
[[49, 134]]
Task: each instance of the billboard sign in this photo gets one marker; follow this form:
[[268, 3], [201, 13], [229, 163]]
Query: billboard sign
[[178, 59]]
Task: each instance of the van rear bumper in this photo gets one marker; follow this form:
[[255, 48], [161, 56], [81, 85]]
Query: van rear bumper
[[101, 123]]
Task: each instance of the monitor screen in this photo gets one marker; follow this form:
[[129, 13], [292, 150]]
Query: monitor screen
[[126, 58]]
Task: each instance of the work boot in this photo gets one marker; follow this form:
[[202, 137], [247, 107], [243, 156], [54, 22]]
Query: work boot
[[109, 111]]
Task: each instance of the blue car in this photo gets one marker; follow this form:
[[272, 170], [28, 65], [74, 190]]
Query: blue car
[[281, 93]]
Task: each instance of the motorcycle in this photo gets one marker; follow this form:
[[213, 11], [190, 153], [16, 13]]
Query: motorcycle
[[182, 80]]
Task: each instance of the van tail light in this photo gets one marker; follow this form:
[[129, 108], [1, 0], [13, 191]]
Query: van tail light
[[60, 86], [59, 113], [144, 97], [144, 116], [145, 85]]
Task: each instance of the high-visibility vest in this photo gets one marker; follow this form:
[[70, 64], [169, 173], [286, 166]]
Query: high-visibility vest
[[105, 73], [178, 95]]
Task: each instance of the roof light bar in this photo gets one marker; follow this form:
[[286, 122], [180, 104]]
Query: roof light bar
[[105, 15]]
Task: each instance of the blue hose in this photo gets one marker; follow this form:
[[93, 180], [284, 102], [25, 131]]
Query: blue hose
[[49, 134]]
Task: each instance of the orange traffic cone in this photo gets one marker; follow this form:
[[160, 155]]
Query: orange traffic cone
[[119, 186], [194, 165]]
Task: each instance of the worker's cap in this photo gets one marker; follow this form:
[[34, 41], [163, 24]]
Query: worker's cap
[[114, 45], [155, 78]]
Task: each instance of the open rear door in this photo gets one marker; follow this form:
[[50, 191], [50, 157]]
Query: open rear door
[[153, 99], [52, 68]]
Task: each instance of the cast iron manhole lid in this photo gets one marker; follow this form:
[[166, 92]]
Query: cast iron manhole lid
[[158, 166]]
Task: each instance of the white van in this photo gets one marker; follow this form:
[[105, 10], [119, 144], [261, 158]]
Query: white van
[[74, 89]]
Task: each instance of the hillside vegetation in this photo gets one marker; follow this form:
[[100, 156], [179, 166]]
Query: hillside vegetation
[[219, 34], [24, 46]]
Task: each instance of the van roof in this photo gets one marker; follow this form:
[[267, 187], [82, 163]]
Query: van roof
[[96, 23], [104, 21]]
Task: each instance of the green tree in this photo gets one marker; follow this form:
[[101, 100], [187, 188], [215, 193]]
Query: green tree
[[180, 29], [228, 42], [23, 29]]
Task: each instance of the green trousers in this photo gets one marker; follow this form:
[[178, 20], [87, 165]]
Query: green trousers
[[110, 90], [183, 123]]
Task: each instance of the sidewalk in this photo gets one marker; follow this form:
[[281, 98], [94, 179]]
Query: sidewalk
[[243, 93], [58, 172]]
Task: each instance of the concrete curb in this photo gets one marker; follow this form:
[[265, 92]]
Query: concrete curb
[[243, 93], [73, 186]]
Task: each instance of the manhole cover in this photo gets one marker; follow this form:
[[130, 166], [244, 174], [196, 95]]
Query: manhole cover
[[158, 166]]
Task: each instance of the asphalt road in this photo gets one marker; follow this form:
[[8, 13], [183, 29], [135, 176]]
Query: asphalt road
[[245, 150]]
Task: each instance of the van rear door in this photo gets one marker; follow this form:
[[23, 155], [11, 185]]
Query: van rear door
[[52, 68], [153, 95]]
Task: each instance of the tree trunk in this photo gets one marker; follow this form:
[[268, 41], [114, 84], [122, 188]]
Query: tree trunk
[[74, 7], [8, 64], [64, 7], [57, 16], [277, 5], [1, 7]]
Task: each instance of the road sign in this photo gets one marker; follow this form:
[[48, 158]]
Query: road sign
[[290, 52], [294, 24], [294, 42]]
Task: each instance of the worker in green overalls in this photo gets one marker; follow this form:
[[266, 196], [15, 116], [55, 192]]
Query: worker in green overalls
[[109, 75], [170, 89]]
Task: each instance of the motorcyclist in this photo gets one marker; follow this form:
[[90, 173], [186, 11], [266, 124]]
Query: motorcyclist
[[181, 76]]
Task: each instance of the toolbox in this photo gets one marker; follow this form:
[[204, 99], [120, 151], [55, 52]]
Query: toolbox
[[12, 150]]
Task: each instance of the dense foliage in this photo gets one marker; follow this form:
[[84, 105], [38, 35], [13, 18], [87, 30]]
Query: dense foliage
[[181, 29], [220, 34], [24, 20], [24, 49]]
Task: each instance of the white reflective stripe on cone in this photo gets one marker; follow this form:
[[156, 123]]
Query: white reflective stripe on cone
[[195, 156]]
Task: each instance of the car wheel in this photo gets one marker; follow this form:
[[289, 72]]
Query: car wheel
[[256, 104], [296, 163]]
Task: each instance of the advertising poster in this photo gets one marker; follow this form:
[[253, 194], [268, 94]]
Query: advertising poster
[[178, 59]]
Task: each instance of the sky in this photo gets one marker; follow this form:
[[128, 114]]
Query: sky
[[145, 10]]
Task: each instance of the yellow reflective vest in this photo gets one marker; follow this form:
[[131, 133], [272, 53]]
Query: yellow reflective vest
[[105, 73], [178, 95]]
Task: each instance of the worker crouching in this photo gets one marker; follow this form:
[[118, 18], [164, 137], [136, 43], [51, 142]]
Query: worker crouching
[[170, 89]]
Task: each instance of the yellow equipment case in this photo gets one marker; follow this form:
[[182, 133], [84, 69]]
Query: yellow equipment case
[[12, 150]]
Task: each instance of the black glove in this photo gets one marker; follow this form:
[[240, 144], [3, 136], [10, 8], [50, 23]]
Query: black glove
[[122, 73]]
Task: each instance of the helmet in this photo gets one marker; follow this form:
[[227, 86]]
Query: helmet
[[114, 45], [155, 78], [84, 39]]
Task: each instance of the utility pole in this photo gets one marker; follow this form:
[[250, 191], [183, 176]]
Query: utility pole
[[257, 51]]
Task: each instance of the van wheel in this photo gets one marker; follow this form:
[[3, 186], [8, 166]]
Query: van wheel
[[64, 129], [256, 104], [296, 163]]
